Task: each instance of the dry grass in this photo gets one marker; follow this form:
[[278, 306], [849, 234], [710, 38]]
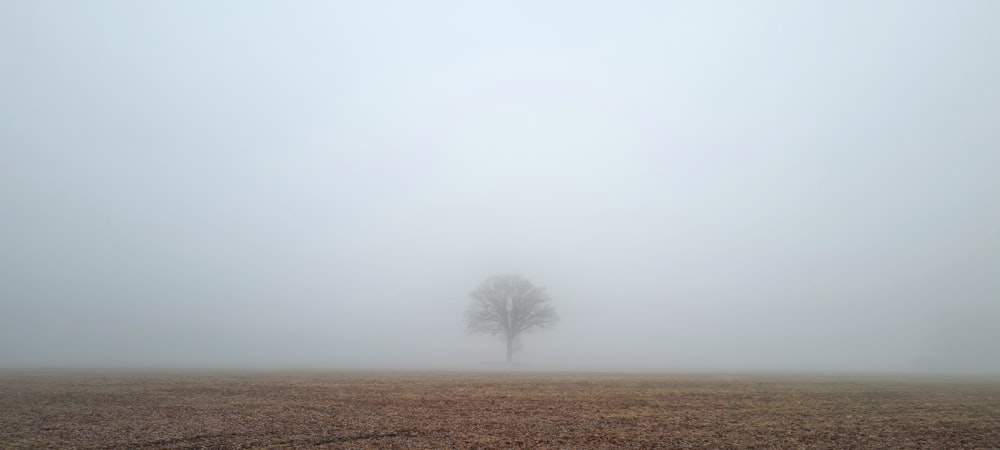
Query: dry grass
[[451, 410]]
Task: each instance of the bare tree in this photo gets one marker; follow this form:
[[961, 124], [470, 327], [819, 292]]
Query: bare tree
[[506, 306]]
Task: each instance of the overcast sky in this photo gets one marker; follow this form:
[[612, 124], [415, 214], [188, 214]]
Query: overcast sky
[[776, 185]]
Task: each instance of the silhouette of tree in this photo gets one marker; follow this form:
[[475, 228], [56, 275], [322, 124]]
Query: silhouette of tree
[[507, 306]]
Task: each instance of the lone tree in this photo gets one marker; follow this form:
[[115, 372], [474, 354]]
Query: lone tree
[[506, 306]]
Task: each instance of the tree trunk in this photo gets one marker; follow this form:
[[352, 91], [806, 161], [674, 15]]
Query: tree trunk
[[510, 349]]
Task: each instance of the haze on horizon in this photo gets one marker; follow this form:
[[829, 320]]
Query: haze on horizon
[[698, 185]]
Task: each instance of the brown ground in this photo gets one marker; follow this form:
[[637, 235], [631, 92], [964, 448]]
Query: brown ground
[[466, 410]]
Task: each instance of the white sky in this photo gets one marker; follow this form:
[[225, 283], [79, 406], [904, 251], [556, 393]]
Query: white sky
[[734, 185]]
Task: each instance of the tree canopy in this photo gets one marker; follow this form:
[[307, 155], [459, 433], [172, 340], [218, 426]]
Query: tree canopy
[[507, 306]]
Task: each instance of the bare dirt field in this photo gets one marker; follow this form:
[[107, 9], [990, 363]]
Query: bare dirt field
[[487, 410]]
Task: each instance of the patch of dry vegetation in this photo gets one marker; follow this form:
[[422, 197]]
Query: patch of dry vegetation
[[427, 410]]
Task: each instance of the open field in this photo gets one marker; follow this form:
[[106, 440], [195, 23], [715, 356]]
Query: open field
[[465, 410]]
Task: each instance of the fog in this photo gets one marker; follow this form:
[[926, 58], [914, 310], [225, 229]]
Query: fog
[[780, 186]]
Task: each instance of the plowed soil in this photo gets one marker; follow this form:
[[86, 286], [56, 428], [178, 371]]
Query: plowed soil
[[486, 410]]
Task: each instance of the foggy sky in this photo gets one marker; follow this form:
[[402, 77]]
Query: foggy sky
[[698, 185]]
